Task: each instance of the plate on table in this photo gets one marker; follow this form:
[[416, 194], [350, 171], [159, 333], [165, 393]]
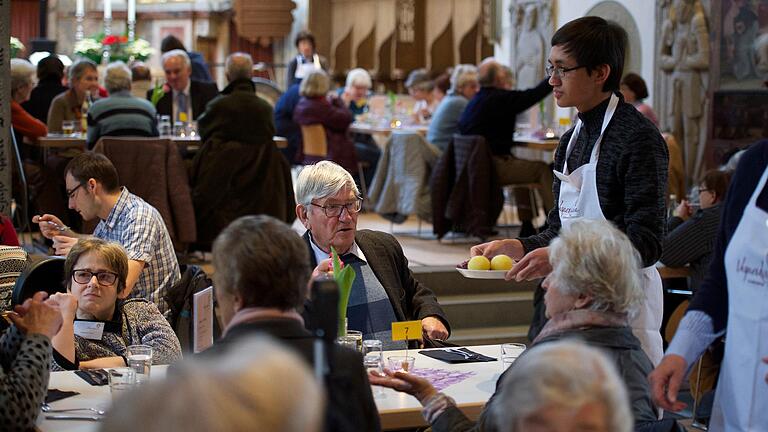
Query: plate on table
[[482, 274]]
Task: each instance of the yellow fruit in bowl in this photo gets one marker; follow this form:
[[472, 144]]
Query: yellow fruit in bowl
[[501, 262], [479, 263]]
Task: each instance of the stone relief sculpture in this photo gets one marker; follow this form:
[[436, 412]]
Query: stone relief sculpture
[[406, 20], [531, 30], [530, 50], [684, 59]]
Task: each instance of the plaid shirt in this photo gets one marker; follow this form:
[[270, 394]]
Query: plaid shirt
[[140, 229]]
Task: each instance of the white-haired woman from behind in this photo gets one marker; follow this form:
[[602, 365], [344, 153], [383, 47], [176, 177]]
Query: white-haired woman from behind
[[562, 386], [445, 122], [258, 386], [591, 293]]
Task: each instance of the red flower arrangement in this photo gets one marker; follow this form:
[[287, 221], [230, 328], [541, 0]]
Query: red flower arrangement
[[113, 39]]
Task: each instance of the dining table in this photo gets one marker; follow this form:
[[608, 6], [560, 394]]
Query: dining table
[[471, 385]]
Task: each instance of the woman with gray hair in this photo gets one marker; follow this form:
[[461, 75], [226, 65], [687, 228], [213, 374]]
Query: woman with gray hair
[[445, 122], [316, 108], [259, 385], [121, 114], [420, 87], [591, 293], [83, 88], [563, 384], [22, 81]]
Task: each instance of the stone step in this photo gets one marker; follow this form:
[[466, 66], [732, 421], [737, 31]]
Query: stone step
[[488, 310], [490, 335], [445, 280]]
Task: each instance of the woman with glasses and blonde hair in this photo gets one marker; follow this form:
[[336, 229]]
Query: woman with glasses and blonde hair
[[95, 273]]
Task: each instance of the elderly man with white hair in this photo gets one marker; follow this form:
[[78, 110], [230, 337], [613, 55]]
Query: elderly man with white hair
[[384, 290], [591, 293], [185, 98], [121, 114]]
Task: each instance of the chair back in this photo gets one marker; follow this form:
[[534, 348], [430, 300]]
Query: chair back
[[152, 168], [676, 183], [13, 261], [44, 275], [280, 142], [315, 141]]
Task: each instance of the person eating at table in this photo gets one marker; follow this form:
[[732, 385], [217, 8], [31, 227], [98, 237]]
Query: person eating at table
[[445, 122], [384, 290], [355, 94], [611, 166], [25, 357], [593, 289], [95, 273], [260, 291], [94, 191], [420, 87]]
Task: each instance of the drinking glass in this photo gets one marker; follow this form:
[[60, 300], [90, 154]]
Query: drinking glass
[[140, 360], [192, 129], [121, 380], [347, 342], [358, 336], [401, 363], [164, 126], [179, 129], [68, 127], [510, 352], [373, 356]]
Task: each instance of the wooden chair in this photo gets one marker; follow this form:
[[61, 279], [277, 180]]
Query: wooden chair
[[316, 144], [315, 141]]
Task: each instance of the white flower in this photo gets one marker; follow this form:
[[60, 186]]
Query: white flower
[[16, 44]]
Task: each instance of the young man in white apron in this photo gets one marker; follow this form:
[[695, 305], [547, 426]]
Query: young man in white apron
[[306, 62], [733, 300], [612, 165]]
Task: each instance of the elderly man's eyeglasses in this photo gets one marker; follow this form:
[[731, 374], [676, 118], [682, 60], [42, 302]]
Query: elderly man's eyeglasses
[[104, 277], [560, 72], [71, 193], [334, 210]]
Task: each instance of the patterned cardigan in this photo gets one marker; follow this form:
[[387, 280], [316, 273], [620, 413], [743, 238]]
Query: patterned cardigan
[[140, 322], [23, 378]]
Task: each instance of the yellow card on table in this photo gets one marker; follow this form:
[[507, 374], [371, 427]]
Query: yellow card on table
[[406, 330]]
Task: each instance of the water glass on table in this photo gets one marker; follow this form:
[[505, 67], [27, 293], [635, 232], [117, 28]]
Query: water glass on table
[[140, 360], [121, 380], [164, 125], [373, 356], [401, 363], [510, 352]]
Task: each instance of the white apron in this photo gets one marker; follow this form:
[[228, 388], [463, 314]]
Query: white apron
[[304, 69], [741, 400], [579, 200]]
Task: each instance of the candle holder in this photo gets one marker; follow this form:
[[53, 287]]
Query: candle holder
[[131, 31], [107, 32], [79, 17]]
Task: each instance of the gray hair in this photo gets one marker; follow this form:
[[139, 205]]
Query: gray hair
[[566, 374], [315, 84], [419, 80], [117, 77], [462, 74], [247, 266], [177, 53], [321, 180], [257, 385], [596, 259], [239, 65], [79, 68], [358, 77], [22, 74]]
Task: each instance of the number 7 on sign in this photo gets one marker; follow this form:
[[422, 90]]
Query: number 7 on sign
[[406, 330]]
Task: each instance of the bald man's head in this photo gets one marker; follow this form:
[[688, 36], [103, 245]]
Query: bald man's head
[[239, 65], [492, 74]]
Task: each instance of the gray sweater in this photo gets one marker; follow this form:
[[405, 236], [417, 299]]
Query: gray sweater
[[445, 121], [631, 177], [140, 322]]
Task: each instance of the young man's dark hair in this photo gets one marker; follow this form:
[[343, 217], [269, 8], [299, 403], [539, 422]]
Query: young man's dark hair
[[305, 36], [95, 166], [171, 42], [593, 41]]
